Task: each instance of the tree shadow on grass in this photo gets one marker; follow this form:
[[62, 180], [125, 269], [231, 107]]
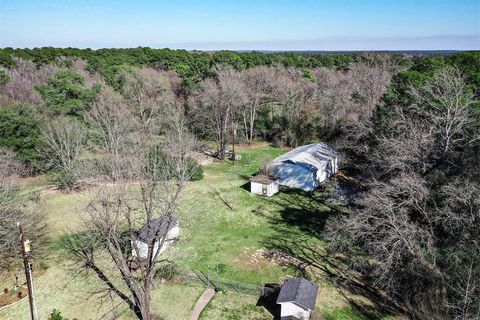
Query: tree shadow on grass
[[304, 211], [299, 234]]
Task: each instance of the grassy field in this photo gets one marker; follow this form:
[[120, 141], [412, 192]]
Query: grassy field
[[216, 234], [223, 227]]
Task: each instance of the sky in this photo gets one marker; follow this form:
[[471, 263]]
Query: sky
[[243, 24]]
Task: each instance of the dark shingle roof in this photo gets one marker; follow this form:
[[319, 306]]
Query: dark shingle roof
[[162, 225], [300, 291]]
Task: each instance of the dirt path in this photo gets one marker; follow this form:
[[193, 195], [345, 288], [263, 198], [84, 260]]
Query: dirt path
[[202, 302]]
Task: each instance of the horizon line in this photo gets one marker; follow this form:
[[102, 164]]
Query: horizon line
[[450, 42]]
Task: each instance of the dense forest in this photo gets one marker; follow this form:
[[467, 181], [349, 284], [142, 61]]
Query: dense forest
[[408, 129]]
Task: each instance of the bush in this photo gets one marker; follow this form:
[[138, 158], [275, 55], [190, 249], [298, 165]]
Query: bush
[[80, 243], [56, 315], [90, 168], [196, 170], [167, 271], [160, 166], [62, 178]]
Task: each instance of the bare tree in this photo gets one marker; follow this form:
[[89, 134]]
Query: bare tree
[[116, 212], [24, 76], [63, 142], [371, 78], [114, 120], [447, 103], [417, 225], [258, 84], [80, 67], [408, 147], [12, 210], [216, 105], [294, 97], [350, 96], [149, 93]]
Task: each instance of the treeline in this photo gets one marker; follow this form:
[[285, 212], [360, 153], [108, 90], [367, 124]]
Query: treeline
[[412, 234], [408, 128], [190, 66], [288, 105]]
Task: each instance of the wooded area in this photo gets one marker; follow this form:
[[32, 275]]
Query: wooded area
[[408, 128]]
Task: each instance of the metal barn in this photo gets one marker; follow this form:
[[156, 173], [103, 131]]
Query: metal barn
[[305, 167]]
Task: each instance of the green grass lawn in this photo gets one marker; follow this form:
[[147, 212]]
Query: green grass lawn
[[57, 288], [212, 234], [231, 306]]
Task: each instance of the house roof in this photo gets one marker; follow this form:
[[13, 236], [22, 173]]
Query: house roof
[[315, 155], [300, 291], [161, 225], [263, 179]]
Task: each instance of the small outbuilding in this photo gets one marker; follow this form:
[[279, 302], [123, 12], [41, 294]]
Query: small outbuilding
[[297, 298], [167, 228], [265, 185], [305, 167]]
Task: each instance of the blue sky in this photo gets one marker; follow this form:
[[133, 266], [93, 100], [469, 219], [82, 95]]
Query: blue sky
[[243, 24]]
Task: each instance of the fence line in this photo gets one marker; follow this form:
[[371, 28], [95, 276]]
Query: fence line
[[208, 279]]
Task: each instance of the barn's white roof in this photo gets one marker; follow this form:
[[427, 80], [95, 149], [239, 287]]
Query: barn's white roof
[[316, 155]]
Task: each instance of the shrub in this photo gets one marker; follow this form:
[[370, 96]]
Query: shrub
[[56, 315], [160, 166], [63, 178], [85, 241], [196, 170], [167, 271]]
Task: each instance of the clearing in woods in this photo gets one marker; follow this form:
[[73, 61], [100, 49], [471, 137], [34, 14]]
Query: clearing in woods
[[223, 227]]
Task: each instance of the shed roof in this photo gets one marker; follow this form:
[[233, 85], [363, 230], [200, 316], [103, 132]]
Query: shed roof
[[300, 291], [161, 225], [315, 155], [263, 179]]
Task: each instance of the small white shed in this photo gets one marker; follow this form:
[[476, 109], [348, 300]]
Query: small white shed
[[305, 167], [297, 298], [166, 229], [264, 185]]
